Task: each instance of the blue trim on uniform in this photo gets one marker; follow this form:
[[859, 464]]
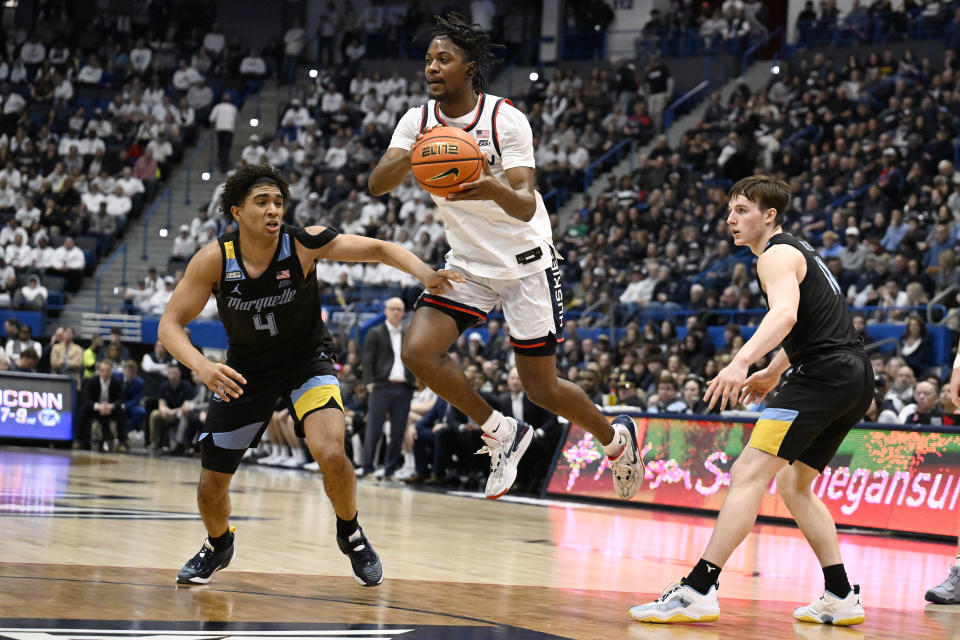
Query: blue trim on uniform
[[315, 381], [284, 247], [483, 99], [236, 439], [785, 415]]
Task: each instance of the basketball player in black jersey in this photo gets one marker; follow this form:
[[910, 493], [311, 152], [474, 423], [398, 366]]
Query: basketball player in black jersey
[[827, 392], [264, 280]]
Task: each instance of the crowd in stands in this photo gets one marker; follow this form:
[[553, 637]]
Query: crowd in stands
[[867, 146], [96, 110]]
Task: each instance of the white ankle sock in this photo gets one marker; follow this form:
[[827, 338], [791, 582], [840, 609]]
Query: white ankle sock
[[615, 446], [492, 423]]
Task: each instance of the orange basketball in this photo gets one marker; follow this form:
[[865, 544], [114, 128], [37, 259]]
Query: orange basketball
[[444, 158]]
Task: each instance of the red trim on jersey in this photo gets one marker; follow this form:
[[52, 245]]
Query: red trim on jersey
[[455, 308], [436, 112]]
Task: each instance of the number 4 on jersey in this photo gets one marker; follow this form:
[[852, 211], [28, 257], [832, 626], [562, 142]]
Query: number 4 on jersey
[[270, 325]]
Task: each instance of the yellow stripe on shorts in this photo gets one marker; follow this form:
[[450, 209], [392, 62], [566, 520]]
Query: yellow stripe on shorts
[[771, 429], [316, 398]]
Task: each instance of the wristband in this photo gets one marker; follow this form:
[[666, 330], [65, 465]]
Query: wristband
[[956, 361]]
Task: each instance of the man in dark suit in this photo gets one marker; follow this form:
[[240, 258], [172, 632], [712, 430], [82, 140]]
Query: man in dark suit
[[546, 435], [103, 402], [391, 388]]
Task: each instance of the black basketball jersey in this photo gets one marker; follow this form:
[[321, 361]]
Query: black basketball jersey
[[274, 320], [823, 323]]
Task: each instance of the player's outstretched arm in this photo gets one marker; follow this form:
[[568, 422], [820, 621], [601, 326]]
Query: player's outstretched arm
[[187, 301], [350, 248], [780, 271], [389, 172]]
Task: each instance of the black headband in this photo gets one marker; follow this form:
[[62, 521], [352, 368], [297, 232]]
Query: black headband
[[266, 180]]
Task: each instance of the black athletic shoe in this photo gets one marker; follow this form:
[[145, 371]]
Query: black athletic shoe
[[367, 569], [201, 567]]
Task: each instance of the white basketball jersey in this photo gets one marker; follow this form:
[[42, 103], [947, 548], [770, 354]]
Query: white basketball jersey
[[484, 240]]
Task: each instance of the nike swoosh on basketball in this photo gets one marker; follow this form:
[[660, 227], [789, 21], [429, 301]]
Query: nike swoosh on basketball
[[452, 171]]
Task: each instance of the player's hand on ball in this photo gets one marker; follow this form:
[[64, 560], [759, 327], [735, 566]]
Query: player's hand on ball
[[486, 187], [725, 388], [222, 380], [758, 386], [441, 281], [425, 132]]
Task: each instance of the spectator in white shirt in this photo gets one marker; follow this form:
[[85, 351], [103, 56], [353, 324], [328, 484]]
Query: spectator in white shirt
[[44, 256], [223, 117], [293, 41], [332, 100], [21, 342], [8, 197], [70, 262], [90, 144], [12, 175], [33, 295], [92, 199], [158, 302], [139, 296], [252, 153], [28, 213], [200, 96], [336, 156], [131, 186], [13, 103], [253, 66], [17, 252], [119, 205], [277, 154], [184, 245], [91, 72], [33, 52], [98, 125], [296, 114], [185, 76], [140, 57], [62, 91], [214, 41], [8, 232]]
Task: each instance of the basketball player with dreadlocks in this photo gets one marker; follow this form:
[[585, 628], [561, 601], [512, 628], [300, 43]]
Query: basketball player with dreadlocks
[[500, 238], [265, 284]]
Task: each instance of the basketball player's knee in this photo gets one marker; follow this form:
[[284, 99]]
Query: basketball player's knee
[[212, 488], [413, 358], [329, 459], [790, 483], [544, 393]]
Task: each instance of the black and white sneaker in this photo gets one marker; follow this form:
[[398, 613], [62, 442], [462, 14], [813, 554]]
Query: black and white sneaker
[[365, 562], [201, 567]]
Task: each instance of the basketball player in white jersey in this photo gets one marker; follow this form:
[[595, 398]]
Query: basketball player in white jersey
[[500, 238]]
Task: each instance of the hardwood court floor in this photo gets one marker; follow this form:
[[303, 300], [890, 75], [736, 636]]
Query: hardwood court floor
[[91, 544]]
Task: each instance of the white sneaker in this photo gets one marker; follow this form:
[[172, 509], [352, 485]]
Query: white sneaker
[[312, 466], [506, 446], [679, 603], [829, 609], [627, 467]]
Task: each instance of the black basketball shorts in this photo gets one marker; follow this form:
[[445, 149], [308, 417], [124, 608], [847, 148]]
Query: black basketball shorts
[[232, 427], [821, 400]]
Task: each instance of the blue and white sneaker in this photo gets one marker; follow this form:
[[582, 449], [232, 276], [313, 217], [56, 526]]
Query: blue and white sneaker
[[679, 603], [627, 467], [506, 446], [830, 609]]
